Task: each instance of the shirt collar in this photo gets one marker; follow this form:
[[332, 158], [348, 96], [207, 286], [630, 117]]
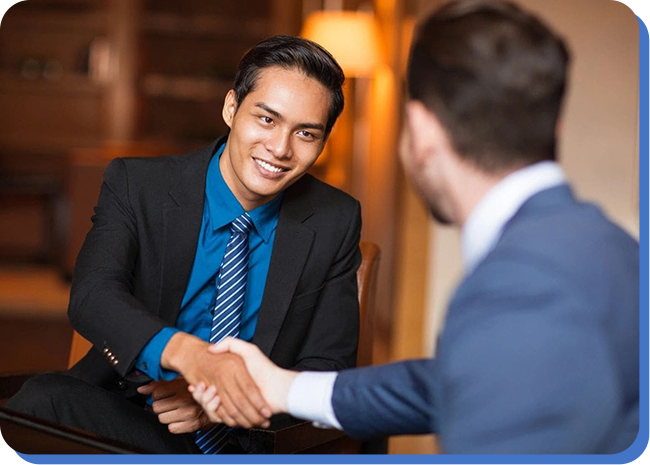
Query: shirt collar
[[223, 207], [488, 218], [265, 217]]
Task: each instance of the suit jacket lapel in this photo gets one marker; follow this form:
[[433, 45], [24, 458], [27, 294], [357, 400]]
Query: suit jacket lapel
[[292, 244], [182, 217]]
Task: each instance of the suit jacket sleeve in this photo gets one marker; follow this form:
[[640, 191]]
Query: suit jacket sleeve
[[384, 400], [332, 339], [102, 306]]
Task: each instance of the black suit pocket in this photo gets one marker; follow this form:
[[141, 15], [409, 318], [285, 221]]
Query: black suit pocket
[[306, 300]]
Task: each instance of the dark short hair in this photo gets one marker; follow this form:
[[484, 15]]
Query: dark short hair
[[494, 75], [292, 52]]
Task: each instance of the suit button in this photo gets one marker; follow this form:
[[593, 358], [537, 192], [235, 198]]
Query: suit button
[[121, 385], [105, 351], [114, 362]]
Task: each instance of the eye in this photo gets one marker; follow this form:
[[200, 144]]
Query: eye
[[266, 119], [306, 134]]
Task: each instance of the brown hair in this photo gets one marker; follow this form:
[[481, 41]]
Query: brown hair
[[293, 53], [494, 76]]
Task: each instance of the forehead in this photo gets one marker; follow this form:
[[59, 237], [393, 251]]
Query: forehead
[[291, 93]]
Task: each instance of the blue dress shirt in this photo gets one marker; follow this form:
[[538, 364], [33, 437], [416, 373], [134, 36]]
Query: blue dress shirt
[[195, 317]]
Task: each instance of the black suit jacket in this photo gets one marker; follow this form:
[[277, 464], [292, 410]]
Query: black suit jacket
[[132, 271]]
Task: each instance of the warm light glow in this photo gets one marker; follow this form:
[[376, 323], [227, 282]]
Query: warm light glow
[[408, 29], [351, 37]]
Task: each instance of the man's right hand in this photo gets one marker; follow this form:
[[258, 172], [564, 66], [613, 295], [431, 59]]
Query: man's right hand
[[241, 403], [274, 381]]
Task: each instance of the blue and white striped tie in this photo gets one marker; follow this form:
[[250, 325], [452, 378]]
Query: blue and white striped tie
[[231, 288]]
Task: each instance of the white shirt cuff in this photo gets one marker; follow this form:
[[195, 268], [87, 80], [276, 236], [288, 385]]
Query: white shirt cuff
[[310, 398]]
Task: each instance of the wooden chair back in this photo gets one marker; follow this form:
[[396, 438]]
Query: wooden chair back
[[367, 281]]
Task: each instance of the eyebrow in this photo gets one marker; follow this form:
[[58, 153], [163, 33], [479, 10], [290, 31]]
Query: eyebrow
[[270, 110]]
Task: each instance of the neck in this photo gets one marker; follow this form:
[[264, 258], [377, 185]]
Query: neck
[[467, 185]]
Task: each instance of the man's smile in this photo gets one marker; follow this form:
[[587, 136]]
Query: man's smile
[[270, 167]]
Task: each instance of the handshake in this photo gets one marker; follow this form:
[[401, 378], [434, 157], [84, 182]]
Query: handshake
[[236, 385], [272, 381]]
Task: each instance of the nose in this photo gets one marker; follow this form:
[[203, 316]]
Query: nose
[[279, 144]]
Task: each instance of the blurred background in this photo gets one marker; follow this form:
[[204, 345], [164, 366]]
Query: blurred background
[[84, 81]]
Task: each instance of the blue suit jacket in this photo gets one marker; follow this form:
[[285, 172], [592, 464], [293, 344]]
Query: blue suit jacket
[[540, 349]]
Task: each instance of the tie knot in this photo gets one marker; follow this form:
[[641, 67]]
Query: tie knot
[[241, 224]]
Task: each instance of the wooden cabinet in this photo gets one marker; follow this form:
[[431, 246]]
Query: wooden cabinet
[[48, 100]]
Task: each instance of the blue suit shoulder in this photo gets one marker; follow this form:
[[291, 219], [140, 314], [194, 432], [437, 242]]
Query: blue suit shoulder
[[560, 243], [555, 227]]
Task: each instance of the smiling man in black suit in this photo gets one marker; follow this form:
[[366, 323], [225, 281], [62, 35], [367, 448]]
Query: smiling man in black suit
[[233, 239]]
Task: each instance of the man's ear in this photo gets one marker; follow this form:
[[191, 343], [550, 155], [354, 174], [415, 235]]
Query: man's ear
[[419, 125], [428, 136], [229, 108]]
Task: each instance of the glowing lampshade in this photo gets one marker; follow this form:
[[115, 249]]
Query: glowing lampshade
[[351, 37]]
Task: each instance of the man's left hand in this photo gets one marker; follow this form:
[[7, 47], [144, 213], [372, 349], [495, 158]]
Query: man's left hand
[[175, 406]]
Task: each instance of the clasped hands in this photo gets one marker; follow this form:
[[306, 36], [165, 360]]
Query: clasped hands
[[239, 387]]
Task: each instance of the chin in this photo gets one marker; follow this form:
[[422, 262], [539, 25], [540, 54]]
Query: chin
[[265, 190], [440, 217], [438, 211]]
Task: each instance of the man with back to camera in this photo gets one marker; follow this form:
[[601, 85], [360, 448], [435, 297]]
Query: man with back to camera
[[232, 240], [540, 348]]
